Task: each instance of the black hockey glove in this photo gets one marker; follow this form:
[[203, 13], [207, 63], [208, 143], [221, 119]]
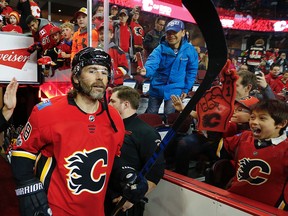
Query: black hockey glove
[[32, 199], [134, 189]]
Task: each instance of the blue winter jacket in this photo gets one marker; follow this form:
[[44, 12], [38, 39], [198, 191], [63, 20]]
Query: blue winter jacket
[[171, 73]]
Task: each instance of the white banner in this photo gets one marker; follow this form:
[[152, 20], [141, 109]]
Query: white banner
[[15, 61]]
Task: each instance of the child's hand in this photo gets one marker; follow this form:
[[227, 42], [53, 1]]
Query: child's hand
[[141, 71], [177, 103]]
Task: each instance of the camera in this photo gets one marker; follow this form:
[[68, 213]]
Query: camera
[[258, 73]]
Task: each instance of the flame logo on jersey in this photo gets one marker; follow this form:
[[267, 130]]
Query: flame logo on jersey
[[87, 171], [138, 31], [253, 171]]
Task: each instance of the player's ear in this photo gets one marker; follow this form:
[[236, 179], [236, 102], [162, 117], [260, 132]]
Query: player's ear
[[75, 79]]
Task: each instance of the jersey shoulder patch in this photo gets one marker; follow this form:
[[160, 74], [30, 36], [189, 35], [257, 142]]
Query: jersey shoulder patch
[[43, 104]]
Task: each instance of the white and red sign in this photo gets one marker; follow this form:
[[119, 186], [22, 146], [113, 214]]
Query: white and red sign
[[15, 61]]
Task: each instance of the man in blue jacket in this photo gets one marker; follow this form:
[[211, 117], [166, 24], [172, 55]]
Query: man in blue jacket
[[171, 68]]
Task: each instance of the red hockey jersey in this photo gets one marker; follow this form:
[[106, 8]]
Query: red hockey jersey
[[83, 147], [261, 173]]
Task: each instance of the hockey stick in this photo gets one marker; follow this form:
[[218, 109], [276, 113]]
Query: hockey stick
[[206, 17]]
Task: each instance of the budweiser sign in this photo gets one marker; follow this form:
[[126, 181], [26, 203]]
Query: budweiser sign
[[15, 58]]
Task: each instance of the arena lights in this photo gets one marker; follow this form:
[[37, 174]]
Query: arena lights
[[232, 20]]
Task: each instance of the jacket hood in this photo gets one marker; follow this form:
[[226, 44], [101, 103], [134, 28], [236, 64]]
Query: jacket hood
[[42, 22]]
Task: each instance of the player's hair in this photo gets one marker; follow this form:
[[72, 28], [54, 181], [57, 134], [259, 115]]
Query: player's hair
[[129, 94], [30, 19], [67, 25], [248, 78], [278, 110]]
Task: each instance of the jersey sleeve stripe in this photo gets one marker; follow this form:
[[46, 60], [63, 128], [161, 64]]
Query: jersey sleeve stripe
[[46, 169], [24, 154]]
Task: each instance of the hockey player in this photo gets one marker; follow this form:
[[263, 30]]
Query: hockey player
[[74, 139]]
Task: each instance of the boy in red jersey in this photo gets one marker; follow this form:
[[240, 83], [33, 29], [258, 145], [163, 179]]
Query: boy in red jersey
[[119, 61], [40, 31], [261, 155], [75, 141]]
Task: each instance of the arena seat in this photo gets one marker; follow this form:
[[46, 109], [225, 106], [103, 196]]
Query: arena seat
[[220, 173], [153, 120], [172, 117], [200, 76]]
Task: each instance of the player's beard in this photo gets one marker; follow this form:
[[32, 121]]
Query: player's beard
[[90, 91]]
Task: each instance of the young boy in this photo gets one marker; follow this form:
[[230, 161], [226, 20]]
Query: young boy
[[261, 155], [80, 37]]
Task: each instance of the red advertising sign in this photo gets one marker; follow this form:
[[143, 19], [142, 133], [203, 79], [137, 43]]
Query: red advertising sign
[[14, 58], [15, 61]]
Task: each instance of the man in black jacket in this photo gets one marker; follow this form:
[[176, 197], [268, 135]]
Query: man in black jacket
[[140, 142]]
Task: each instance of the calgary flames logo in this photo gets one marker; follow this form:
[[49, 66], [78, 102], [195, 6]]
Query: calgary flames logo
[[138, 31], [253, 171], [87, 171]]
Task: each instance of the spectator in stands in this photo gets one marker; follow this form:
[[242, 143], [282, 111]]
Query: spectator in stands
[[5, 10], [140, 142], [260, 156], [27, 7], [1, 22], [273, 74], [14, 19], [40, 31], [123, 36], [114, 13], [203, 61], [98, 15], [243, 67], [282, 62], [119, 61], [138, 35], [60, 54], [153, 37], [137, 30], [67, 34], [9, 104], [203, 145], [255, 54], [199, 145], [80, 37], [172, 68], [280, 86], [264, 90]]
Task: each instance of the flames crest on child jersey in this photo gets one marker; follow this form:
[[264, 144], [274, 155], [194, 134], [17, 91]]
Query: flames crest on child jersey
[[253, 171], [87, 171]]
